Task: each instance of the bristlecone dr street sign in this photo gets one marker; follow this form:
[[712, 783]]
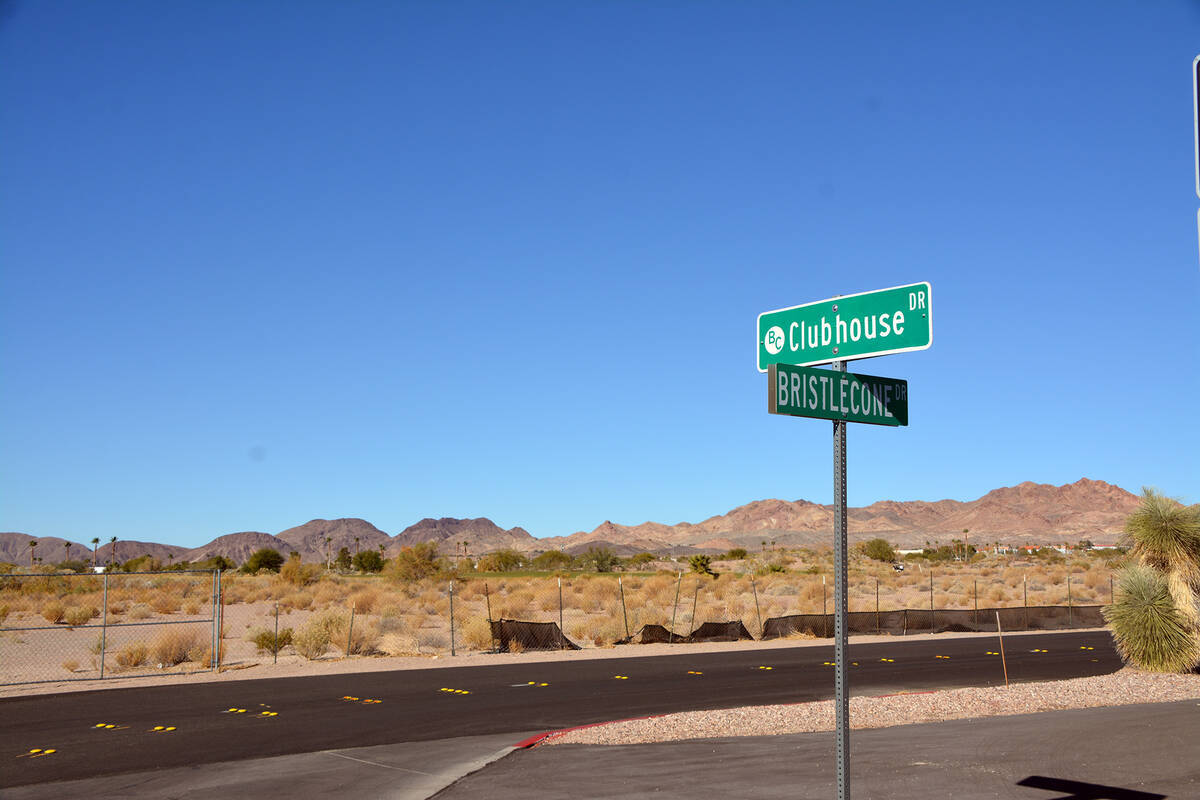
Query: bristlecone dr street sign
[[826, 394], [877, 323]]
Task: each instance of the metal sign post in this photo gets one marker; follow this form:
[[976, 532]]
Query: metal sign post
[[840, 596], [835, 331]]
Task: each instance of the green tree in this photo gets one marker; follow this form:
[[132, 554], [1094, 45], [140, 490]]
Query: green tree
[[736, 554], [1155, 620], [701, 564], [601, 559], [417, 562], [879, 549], [505, 560], [265, 559], [552, 560], [368, 561], [343, 559], [641, 559]]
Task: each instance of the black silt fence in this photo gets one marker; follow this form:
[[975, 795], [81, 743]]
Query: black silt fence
[[914, 620]]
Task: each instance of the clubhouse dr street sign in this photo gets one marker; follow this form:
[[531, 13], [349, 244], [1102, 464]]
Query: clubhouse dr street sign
[[827, 394], [877, 323]]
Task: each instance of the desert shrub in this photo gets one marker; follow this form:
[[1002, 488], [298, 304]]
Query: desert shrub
[[364, 600], [433, 639], [600, 559], [140, 611], [174, 646], [53, 611], [312, 641], [477, 634], [132, 655], [79, 615], [299, 601], [399, 644], [297, 573], [191, 608], [264, 640], [70, 665], [3, 611], [164, 602], [1148, 629]]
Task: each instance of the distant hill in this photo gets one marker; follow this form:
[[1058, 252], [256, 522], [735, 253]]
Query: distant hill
[[481, 535], [310, 537], [1026, 513], [238, 546]]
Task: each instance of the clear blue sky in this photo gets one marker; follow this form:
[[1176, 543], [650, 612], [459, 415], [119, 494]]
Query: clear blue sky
[[265, 262]]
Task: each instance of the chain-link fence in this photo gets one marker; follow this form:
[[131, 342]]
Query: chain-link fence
[[65, 627], [80, 627]]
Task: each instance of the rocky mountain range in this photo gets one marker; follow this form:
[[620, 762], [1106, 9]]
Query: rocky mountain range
[[1029, 513]]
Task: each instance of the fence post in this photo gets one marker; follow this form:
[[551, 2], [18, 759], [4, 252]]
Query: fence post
[[1070, 611], [1025, 592], [276, 647], [562, 634], [212, 661], [931, 625], [488, 598], [624, 613], [452, 618], [220, 625], [695, 598], [350, 631], [824, 610], [104, 625], [975, 616], [674, 610], [1111, 599], [757, 610]]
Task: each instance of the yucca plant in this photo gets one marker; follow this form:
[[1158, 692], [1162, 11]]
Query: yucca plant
[[1155, 620], [1147, 627]]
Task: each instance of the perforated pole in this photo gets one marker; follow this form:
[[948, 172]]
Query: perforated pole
[[841, 595]]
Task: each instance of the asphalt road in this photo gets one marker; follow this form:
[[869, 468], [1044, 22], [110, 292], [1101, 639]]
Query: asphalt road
[[182, 725]]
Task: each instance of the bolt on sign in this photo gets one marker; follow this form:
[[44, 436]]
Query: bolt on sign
[[826, 394], [878, 323]]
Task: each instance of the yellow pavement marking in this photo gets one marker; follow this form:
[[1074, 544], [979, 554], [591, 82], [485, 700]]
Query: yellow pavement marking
[[829, 663], [694, 672], [941, 656], [888, 660], [1035, 650], [37, 752], [766, 668], [161, 729], [992, 653], [453, 691], [1086, 648], [268, 713], [621, 677]]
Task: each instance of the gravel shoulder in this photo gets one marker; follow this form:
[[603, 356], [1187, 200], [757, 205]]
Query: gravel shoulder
[[1124, 687]]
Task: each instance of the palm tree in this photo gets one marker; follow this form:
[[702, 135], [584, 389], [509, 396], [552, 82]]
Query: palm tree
[[67, 547], [112, 554], [1155, 620], [95, 544], [328, 552], [32, 545], [355, 545]]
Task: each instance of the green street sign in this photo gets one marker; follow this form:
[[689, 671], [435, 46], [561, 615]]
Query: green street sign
[[864, 325], [828, 394]]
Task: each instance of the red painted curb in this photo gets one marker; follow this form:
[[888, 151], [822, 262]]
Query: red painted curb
[[537, 739]]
